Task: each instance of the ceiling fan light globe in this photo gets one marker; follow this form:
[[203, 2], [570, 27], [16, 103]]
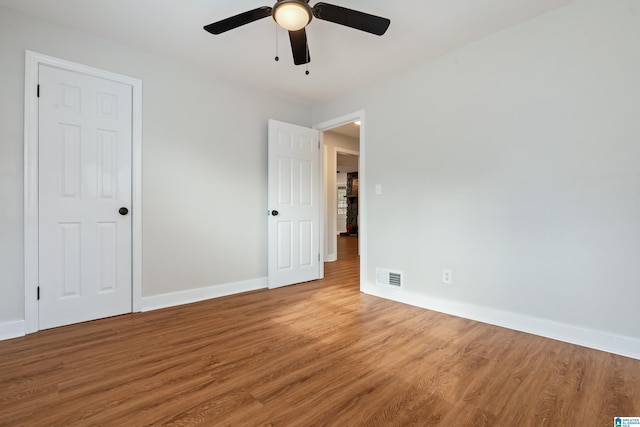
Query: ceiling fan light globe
[[292, 15]]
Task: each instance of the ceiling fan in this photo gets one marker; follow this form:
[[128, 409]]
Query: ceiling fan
[[295, 15]]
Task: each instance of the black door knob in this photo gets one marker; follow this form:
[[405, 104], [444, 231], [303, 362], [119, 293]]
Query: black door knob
[[123, 211], [274, 213]]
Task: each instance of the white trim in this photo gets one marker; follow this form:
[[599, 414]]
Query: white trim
[[362, 197], [136, 197], [322, 207], [612, 343], [30, 193], [331, 258], [173, 299], [32, 62], [13, 329]]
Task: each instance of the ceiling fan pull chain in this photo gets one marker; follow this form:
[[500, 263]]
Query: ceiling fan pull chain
[[307, 64], [277, 58]]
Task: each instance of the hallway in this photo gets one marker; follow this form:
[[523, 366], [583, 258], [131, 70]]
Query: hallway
[[346, 270]]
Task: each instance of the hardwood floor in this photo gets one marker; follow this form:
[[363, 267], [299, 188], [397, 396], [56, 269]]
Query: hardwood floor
[[319, 353]]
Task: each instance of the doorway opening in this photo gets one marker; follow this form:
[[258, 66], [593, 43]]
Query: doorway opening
[[347, 195], [343, 141], [347, 189]]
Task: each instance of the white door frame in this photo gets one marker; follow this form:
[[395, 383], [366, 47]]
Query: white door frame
[[32, 62], [362, 182]]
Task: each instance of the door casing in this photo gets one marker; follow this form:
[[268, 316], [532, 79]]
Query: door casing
[[32, 62]]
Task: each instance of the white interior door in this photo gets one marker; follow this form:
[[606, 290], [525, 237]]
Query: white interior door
[[85, 137], [294, 204]]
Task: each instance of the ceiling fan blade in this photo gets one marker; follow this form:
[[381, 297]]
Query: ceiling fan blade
[[351, 18], [239, 20], [299, 47]]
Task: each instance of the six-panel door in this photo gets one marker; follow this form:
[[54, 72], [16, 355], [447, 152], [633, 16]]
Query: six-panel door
[[294, 232], [85, 135]]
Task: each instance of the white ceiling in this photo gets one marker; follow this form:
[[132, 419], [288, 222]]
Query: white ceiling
[[342, 59]]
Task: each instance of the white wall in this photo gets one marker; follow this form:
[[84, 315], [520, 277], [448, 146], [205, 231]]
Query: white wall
[[516, 161], [204, 163], [333, 141]]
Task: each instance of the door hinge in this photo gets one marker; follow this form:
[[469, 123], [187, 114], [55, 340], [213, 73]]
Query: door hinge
[[318, 144], [38, 296], [38, 91], [318, 257]]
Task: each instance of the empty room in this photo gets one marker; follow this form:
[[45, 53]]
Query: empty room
[[182, 242]]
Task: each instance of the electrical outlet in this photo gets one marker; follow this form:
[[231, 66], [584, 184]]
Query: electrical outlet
[[446, 276]]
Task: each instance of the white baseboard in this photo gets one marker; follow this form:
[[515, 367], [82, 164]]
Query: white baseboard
[[598, 340], [172, 299], [331, 258], [12, 329]]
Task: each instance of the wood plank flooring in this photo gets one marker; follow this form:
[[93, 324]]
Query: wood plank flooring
[[319, 353]]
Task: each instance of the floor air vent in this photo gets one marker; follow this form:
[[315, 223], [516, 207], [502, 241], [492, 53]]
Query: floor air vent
[[389, 278]]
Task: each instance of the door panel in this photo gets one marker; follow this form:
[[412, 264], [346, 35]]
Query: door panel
[[85, 137], [69, 261], [294, 187]]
